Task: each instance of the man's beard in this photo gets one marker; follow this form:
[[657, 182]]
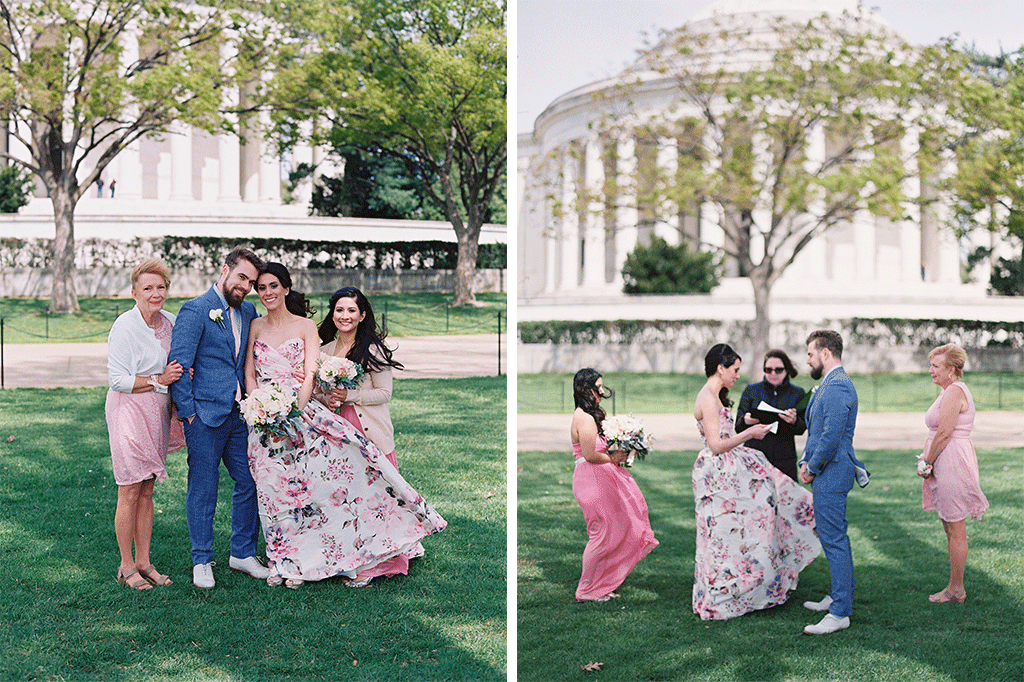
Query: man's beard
[[233, 299], [816, 372]]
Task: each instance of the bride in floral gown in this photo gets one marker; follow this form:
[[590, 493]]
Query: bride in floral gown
[[330, 502], [755, 525]]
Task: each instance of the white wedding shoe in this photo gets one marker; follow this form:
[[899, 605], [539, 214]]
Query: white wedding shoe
[[819, 605], [828, 625]]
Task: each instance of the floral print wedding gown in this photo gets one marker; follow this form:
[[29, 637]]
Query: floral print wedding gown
[[330, 503], [755, 530]]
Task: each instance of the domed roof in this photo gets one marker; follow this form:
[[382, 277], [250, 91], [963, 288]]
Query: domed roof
[[777, 7]]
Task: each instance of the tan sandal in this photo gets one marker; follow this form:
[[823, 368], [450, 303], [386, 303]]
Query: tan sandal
[[140, 585], [155, 577], [359, 582]]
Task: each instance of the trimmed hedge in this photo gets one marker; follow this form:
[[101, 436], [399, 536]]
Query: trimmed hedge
[[208, 252], [876, 332]]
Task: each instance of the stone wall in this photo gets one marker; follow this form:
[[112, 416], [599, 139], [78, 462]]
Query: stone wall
[[38, 282]]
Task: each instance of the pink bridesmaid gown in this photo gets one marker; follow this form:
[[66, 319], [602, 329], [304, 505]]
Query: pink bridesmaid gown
[[618, 528], [954, 488]]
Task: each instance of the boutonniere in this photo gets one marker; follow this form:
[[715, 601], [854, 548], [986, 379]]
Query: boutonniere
[[217, 315]]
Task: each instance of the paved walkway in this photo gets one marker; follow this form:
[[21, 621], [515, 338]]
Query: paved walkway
[[69, 365], [875, 431]]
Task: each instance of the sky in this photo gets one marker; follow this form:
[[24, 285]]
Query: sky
[[564, 44]]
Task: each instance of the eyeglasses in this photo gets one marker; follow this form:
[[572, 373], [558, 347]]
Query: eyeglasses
[[776, 370]]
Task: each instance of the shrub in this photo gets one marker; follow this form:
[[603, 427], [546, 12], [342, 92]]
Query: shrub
[[663, 269], [15, 187]]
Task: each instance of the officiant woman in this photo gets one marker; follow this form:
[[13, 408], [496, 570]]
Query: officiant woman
[[779, 448]]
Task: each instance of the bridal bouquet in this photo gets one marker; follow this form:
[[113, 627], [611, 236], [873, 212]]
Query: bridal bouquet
[[269, 409], [334, 372], [622, 432]]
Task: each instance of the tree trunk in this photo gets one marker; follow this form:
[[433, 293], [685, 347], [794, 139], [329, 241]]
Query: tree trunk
[[761, 341], [63, 298], [465, 267]]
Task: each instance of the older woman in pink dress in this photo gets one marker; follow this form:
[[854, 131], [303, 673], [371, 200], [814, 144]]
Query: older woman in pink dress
[[619, 531], [949, 465], [138, 411]]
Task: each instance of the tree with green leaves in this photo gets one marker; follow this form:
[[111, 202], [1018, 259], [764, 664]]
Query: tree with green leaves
[[423, 81], [82, 81], [989, 180], [786, 134]]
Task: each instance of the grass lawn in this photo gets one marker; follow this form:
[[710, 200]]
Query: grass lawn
[[427, 314], [899, 551], [674, 393], [64, 617]]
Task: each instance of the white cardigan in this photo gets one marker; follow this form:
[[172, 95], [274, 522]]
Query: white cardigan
[[133, 350]]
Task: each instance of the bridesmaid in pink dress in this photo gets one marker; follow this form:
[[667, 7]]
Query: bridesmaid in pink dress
[[951, 483], [138, 412], [351, 331], [618, 528]]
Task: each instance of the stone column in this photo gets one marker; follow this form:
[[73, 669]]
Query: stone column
[[126, 168], [569, 226], [593, 223], [667, 161], [270, 165], [249, 153], [228, 146], [626, 214], [811, 263], [181, 162], [909, 230]]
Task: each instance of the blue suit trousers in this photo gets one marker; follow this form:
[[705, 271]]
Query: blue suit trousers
[[207, 447], [830, 519]]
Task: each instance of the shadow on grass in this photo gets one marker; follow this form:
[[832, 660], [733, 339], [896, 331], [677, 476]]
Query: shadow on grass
[[66, 618], [652, 633]]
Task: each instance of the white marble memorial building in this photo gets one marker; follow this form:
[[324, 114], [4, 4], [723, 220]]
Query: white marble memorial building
[[570, 262]]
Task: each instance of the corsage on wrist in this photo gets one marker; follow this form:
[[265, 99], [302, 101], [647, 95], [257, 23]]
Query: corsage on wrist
[[154, 381], [923, 467]]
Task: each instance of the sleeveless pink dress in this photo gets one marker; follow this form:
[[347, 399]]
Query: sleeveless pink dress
[[618, 528], [954, 488]]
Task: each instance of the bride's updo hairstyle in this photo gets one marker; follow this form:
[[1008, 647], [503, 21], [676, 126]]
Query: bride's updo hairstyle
[[720, 354], [584, 386], [295, 301]]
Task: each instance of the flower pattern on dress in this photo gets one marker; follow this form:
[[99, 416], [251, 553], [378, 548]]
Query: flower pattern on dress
[[330, 503], [755, 530]]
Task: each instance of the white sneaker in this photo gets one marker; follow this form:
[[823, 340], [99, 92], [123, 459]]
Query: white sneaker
[[250, 565], [828, 625], [819, 605], [202, 576]]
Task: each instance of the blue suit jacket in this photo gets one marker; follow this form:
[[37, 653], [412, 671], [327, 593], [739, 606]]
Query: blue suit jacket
[[208, 347], [831, 419]]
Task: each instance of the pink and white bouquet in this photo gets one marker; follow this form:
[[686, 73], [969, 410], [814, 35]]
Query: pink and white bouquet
[[270, 408], [622, 432], [334, 372]]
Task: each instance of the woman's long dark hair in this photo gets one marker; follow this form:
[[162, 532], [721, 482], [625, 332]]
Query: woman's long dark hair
[[296, 302], [368, 349], [584, 385], [720, 354]]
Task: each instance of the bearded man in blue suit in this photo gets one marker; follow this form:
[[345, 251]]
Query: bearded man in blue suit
[[830, 466], [210, 338]]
